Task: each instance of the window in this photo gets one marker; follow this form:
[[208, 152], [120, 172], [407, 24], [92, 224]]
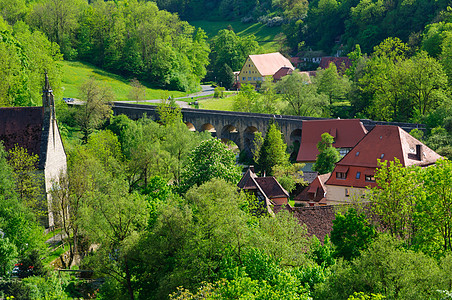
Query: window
[[259, 78], [341, 175], [347, 193], [370, 178], [254, 78], [358, 175], [249, 78], [244, 78]]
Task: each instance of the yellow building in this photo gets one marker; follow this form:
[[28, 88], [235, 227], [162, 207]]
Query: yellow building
[[258, 66]]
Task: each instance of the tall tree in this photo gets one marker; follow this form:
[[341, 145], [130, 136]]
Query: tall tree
[[328, 155], [273, 150], [96, 108], [330, 83], [301, 96]]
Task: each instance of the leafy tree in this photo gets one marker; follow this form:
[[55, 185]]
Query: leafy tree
[[289, 175], [225, 76], [96, 108], [247, 99], [211, 159], [351, 234], [328, 155], [273, 150], [300, 96], [28, 181], [436, 209], [330, 83], [396, 197], [138, 91]]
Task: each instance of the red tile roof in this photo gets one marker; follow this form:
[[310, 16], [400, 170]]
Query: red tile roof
[[271, 187], [315, 191], [342, 63], [282, 72], [347, 133], [21, 126], [270, 63], [383, 142]]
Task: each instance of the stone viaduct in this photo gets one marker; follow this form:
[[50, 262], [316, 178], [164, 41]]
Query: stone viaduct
[[239, 127]]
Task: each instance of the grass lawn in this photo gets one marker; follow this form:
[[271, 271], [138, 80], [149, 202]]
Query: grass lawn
[[265, 36], [76, 73], [217, 104]]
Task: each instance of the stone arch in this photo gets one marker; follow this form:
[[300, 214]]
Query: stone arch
[[208, 127], [249, 138], [231, 145], [295, 141], [190, 126], [229, 129]]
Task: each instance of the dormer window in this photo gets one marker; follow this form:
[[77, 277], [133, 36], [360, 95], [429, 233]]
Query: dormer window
[[341, 175]]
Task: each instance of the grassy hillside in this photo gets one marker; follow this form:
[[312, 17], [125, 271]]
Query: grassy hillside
[[265, 36], [75, 73]]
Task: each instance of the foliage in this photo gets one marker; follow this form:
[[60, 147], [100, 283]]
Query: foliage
[[8, 256], [396, 198], [301, 96], [331, 84], [328, 155], [28, 181], [351, 234], [289, 175], [273, 150], [95, 109], [211, 159]]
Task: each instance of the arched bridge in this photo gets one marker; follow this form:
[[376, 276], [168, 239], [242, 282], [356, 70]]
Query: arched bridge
[[238, 127]]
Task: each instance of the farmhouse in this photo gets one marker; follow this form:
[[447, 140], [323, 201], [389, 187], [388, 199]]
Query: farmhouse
[[35, 129], [257, 67]]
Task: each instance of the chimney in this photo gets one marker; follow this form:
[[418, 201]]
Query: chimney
[[419, 155]]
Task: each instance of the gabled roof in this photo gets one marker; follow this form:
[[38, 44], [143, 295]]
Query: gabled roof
[[384, 142], [268, 64], [282, 72], [21, 126], [342, 63], [246, 182], [346, 132], [271, 187], [315, 191]]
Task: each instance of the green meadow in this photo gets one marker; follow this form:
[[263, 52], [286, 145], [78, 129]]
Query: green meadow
[[74, 74], [265, 36]]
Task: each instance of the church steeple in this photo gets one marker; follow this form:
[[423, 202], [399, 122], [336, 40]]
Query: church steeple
[[48, 101]]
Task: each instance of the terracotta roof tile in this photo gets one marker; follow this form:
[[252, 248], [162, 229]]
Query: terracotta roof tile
[[271, 187], [383, 142], [348, 133], [282, 72], [342, 63]]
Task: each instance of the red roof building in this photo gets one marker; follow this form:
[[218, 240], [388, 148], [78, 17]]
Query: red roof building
[[355, 171], [342, 63], [346, 133], [315, 193], [266, 189]]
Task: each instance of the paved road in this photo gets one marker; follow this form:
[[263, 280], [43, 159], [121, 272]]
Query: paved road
[[206, 90]]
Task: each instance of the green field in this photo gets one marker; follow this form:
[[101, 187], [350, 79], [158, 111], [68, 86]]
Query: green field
[[217, 104], [74, 74], [265, 36]]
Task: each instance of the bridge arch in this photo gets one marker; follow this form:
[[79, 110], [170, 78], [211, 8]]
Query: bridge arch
[[248, 136], [190, 126], [231, 145], [229, 129], [208, 127]]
